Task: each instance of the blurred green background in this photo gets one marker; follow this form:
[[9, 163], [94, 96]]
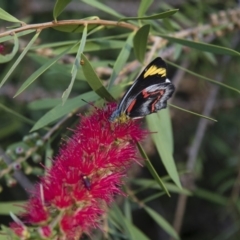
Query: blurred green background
[[213, 149]]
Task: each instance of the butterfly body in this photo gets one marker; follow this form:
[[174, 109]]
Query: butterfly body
[[148, 94]]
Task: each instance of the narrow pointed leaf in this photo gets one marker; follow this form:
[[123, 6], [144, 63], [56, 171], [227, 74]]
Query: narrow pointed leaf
[[91, 45], [74, 28], [7, 17], [93, 80], [54, 44], [117, 215], [162, 222], [43, 104], [200, 115], [136, 232], [59, 7], [152, 169], [76, 65], [144, 5], [14, 207], [95, 45], [210, 196], [202, 46], [130, 230], [40, 71], [19, 58], [61, 110], [160, 136], [102, 7], [155, 16], [211, 58], [121, 60], [16, 114], [148, 183], [140, 42], [127, 209], [164, 116], [203, 77], [7, 38], [9, 57], [70, 105]]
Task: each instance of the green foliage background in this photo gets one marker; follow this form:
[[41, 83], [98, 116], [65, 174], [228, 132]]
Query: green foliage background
[[43, 84]]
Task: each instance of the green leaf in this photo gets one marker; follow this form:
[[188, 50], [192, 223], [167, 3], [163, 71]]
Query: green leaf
[[164, 116], [19, 58], [136, 232], [6, 233], [210, 196], [7, 17], [92, 44], [59, 7], [39, 72], [59, 111], [177, 52], [76, 65], [122, 59], [43, 104], [119, 218], [127, 209], [23, 118], [74, 28], [9, 126], [203, 77], [211, 58], [140, 42], [148, 183], [65, 69], [131, 232], [202, 46], [14, 207], [180, 17], [162, 222], [144, 5], [8, 57], [54, 44], [102, 7], [93, 80], [7, 38], [152, 169], [155, 16], [70, 105], [200, 115], [163, 143], [95, 45]]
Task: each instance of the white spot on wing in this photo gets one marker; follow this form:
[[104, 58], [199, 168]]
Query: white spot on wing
[[167, 80]]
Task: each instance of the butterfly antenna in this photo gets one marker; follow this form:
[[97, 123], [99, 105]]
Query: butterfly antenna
[[89, 103]]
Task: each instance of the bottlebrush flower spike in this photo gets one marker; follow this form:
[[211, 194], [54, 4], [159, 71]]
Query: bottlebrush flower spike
[[86, 175]]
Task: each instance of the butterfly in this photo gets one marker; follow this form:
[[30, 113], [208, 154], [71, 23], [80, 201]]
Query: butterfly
[[148, 94]]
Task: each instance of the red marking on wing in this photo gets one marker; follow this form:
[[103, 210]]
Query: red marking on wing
[[154, 103], [131, 105], [147, 94]]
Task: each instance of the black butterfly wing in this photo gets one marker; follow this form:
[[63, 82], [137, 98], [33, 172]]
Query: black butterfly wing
[[150, 100], [154, 73]]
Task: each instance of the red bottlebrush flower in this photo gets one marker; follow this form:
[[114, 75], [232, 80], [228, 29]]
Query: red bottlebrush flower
[[86, 175], [19, 230], [36, 211], [45, 232]]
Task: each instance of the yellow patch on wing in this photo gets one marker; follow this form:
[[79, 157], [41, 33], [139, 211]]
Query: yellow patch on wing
[[153, 70]]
